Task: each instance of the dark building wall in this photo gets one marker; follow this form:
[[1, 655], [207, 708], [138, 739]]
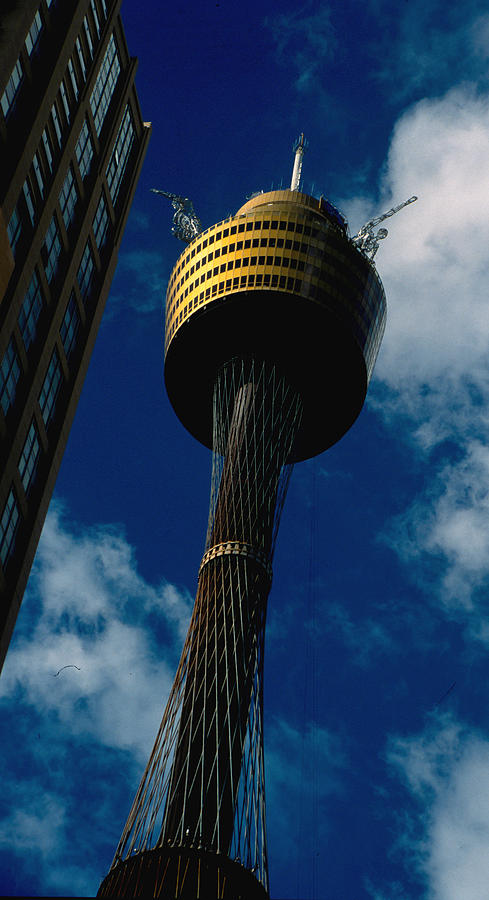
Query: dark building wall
[[72, 142]]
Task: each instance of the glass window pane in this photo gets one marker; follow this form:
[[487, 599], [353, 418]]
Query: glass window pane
[[29, 200], [13, 85], [84, 150], [14, 229], [51, 249], [86, 272], [48, 149], [105, 84], [101, 222], [33, 35], [50, 389], [9, 376], [70, 326], [56, 123], [31, 310], [120, 154], [81, 57], [9, 524], [68, 198], [29, 457]]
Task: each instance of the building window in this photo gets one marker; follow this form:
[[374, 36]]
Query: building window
[[9, 376], [120, 154], [31, 310], [36, 163], [105, 84], [56, 123], [64, 99], [13, 85], [68, 198], [88, 35], [8, 527], [74, 82], [29, 200], [86, 272], [101, 222], [70, 326], [32, 38], [46, 141], [84, 150], [50, 389], [95, 16], [81, 58], [14, 229], [29, 457], [51, 249]]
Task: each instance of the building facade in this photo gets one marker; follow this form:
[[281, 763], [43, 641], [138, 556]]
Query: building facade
[[72, 143]]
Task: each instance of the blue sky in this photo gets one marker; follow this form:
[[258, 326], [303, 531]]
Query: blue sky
[[376, 690]]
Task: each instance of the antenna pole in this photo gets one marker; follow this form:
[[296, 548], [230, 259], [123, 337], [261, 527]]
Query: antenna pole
[[298, 148]]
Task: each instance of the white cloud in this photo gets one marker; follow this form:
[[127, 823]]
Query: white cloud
[[91, 599], [26, 829], [144, 274], [446, 770], [304, 42], [304, 768], [434, 264], [426, 45], [432, 375], [86, 609]]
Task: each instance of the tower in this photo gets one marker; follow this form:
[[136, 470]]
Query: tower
[[274, 318], [72, 143]]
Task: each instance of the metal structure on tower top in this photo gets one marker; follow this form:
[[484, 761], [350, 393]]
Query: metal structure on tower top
[[186, 223], [366, 240], [299, 148]]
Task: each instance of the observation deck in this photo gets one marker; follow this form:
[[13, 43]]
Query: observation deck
[[279, 281]]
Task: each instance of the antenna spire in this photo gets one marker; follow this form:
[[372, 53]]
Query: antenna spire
[[298, 148]]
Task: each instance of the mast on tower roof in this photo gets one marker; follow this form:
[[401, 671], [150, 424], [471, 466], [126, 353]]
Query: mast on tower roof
[[299, 147]]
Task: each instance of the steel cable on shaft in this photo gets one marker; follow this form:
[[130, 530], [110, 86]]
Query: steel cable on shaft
[[204, 784]]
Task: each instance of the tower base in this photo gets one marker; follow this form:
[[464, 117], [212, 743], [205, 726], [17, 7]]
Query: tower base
[[184, 873]]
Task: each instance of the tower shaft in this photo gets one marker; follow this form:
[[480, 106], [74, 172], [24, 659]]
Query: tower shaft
[[212, 798]]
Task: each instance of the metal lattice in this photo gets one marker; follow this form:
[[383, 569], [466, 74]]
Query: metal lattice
[[204, 783]]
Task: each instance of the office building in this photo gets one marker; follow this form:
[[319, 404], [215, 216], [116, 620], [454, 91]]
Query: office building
[[72, 142]]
